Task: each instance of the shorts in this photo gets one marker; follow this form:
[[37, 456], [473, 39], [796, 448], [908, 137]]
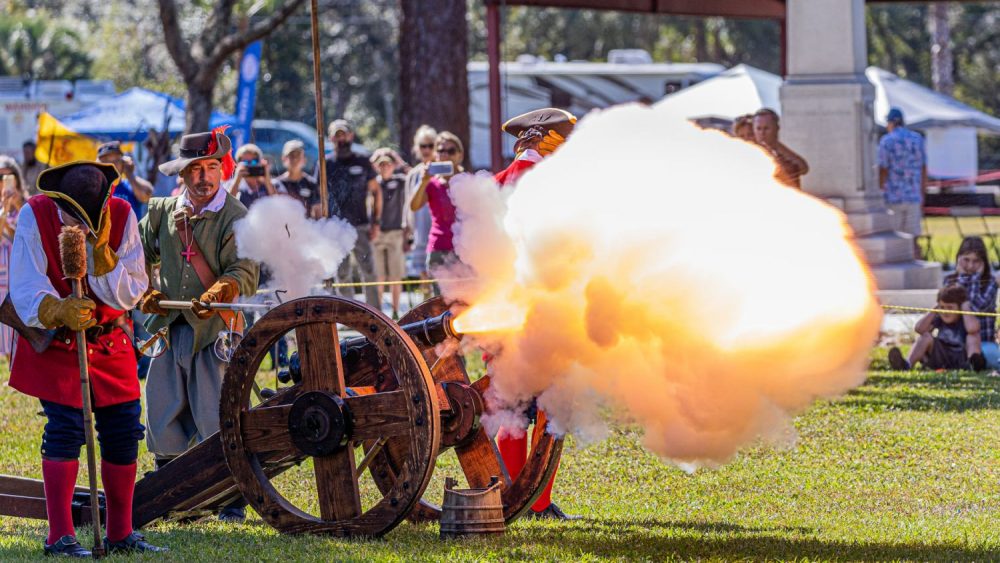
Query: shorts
[[945, 357], [906, 217], [389, 262]]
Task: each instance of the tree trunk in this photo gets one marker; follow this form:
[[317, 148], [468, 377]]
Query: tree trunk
[[942, 60], [199, 108], [433, 81], [701, 41]]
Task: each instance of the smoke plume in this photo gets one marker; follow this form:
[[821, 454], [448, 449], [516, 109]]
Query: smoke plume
[[300, 253], [658, 271]]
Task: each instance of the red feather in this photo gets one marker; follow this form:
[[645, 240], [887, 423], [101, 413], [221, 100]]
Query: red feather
[[228, 164]]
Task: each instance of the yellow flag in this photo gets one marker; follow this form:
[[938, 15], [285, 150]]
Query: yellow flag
[[58, 144]]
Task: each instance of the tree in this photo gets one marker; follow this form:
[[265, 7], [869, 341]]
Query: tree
[[37, 48], [433, 81], [942, 60], [200, 60]]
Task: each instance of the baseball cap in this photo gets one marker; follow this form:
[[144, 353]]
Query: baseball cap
[[895, 114], [292, 146], [109, 148], [339, 125]]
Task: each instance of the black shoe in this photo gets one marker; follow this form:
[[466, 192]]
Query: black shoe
[[553, 512], [67, 546], [896, 360], [978, 362], [236, 514], [134, 543]]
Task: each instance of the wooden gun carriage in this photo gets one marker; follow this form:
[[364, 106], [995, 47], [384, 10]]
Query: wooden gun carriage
[[386, 394]]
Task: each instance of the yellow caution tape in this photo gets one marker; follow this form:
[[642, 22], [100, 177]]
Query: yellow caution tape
[[945, 311]]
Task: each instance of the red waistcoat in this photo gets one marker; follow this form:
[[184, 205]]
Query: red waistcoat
[[54, 375]]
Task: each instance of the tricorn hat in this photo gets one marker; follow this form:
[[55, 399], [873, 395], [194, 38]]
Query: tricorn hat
[[560, 121], [213, 144], [81, 188]]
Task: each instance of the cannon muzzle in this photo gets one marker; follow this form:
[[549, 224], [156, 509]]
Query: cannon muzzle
[[433, 330]]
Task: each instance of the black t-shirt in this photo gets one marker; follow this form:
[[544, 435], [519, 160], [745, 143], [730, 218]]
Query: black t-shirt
[[950, 335], [393, 201], [347, 182], [304, 189]]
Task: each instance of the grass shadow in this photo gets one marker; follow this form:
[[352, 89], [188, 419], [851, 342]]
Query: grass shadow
[[950, 391]]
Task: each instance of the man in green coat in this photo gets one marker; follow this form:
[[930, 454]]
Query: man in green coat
[[191, 238]]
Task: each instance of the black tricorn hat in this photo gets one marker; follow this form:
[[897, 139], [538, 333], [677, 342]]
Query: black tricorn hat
[[198, 146], [81, 188], [558, 120]]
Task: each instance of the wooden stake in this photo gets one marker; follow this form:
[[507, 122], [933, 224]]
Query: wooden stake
[[320, 127]]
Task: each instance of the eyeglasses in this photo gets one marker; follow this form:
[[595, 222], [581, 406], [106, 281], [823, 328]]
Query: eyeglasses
[[428, 146], [450, 152]]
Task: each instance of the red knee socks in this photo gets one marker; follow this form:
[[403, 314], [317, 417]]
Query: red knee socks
[[59, 478], [514, 451], [119, 483], [545, 500]]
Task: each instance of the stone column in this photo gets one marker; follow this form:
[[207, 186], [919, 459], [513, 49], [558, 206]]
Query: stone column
[[826, 107]]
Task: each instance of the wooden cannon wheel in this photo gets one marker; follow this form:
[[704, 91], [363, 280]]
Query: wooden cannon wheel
[[322, 419], [476, 451]]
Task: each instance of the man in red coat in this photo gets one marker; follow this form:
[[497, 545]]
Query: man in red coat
[[538, 133], [79, 194]]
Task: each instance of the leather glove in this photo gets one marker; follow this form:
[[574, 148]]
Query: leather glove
[[105, 259], [149, 303], [73, 313], [224, 290], [550, 142]]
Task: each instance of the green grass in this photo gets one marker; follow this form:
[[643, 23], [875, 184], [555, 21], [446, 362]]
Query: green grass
[[946, 236], [906, 467]]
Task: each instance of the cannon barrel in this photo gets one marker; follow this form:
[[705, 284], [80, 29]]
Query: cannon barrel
[[426, 333]]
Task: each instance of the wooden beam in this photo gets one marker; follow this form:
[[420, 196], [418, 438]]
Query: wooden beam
[[766, 9]]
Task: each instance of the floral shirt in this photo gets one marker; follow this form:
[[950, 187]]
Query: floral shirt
[[902, 154]]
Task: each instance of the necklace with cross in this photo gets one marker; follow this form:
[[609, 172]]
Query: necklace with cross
[[187, 253]]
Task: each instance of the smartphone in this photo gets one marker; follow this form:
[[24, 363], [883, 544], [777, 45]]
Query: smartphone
[[445, 168]]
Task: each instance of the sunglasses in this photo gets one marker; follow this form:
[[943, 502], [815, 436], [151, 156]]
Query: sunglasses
[[450, 152], [428, 146]]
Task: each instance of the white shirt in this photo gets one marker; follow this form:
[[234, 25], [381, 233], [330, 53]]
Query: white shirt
[[120, 288], [214, 206]]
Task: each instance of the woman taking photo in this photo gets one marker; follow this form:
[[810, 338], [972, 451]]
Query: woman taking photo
[[433, 192]]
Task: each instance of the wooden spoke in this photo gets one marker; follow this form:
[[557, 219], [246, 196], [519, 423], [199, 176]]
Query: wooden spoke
[[319, 353], [337, 486], [265, 429], [480, 461], [378, 415], [481, 384]]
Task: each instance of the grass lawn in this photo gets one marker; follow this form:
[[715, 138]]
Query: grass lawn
[[946, 236], [905, 468]]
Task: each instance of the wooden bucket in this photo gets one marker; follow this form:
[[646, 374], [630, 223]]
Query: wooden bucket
[[471, 512]]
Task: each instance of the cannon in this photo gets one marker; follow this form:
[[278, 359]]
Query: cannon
[[382, 403]]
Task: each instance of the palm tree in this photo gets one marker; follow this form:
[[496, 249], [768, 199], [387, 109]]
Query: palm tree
[[36, 48]]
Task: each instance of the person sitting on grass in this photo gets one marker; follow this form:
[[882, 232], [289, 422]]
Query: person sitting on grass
[[956, 344], [972, 271]]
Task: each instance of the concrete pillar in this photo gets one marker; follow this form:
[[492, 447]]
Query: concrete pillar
[[826, 116]]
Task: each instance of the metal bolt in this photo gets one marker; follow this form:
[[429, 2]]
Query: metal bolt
[[406, 485], [393, 501], [299, 311], [317, 309], [387, 341], [373, 328], [229, 424], [419, 421], [232, 445]]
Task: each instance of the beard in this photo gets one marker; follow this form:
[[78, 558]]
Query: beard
[[202, 192]]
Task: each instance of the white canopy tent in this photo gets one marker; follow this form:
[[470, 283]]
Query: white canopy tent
[[949, 125]]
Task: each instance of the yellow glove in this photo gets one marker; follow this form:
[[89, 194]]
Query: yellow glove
[[550, 142], [224, 290], [73, 313], [105, 259], [150, 303]]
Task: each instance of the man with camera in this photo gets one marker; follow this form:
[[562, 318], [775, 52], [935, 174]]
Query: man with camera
[[252, 180], [350, 178], [133, 189]]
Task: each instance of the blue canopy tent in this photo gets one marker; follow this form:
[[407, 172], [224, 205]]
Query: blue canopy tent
[[130, 115]]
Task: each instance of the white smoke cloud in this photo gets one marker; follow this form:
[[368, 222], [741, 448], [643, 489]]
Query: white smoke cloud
[[659, 271], [299, 252]]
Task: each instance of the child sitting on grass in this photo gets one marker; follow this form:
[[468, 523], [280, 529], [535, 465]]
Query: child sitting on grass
[[972, 271], [956, 344]]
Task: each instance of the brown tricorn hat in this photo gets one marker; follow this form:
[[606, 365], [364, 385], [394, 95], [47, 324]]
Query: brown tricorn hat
[[558, 120], [198, 146], [81, 188]]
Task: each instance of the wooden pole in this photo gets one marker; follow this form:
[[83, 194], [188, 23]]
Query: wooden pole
[[88, 427], [320, 127], [493, 54]]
